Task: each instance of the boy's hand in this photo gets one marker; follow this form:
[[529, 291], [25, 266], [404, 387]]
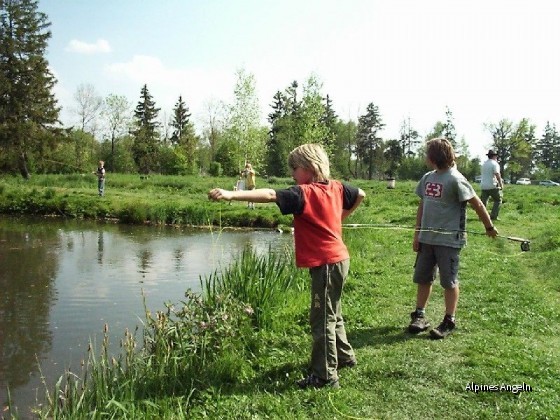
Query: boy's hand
[[492, 232], [218, 194], [416, 243]]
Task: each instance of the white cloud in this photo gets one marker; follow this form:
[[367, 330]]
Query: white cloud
[[81, 47], [165, 84]]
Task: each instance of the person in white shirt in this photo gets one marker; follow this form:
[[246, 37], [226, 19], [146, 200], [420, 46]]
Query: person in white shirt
[[492, 183]]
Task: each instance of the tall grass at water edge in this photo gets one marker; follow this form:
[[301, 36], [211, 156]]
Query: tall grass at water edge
[[204, 342], [508, 332]]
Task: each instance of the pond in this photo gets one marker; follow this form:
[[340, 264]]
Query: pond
[[61, 281]]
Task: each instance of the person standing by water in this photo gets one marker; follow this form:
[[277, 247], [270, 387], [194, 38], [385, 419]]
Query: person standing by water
[[100, 173], [319, 206], [491, 183], [248, 175]]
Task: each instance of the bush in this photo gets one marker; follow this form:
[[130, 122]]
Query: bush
[[216, 169]]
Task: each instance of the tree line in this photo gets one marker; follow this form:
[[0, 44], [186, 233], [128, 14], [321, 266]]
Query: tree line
[[144, 140]]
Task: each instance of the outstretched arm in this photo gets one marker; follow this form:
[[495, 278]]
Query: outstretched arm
[[483, 215], [261, 195]]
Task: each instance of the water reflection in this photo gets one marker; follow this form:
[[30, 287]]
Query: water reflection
[[100, 247], [28, 268], [61, 281]]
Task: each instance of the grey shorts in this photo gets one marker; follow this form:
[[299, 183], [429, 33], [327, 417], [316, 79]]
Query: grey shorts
[[430, 258]]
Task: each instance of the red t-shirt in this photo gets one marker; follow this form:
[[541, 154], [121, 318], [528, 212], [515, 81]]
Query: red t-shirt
[[317, 210]]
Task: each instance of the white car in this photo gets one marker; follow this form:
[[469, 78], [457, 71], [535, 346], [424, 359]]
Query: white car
[[523, 181], [549, 183]]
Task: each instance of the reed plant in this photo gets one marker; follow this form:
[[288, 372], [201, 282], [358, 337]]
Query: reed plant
[[262, 281]]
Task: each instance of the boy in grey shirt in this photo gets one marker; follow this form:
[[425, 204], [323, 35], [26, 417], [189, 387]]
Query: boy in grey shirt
[[441, 233]]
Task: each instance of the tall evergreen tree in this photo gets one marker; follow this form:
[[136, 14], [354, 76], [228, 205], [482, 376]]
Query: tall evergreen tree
[[449, 131], [274, 164], [408, 138], [184, 137], [367, 140], [180, 120], [547, 148], [27, 105], [145, 136], [328, 120], [285, 132]]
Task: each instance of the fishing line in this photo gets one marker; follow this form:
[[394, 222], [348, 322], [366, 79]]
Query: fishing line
[[525, 243], [63, 163]]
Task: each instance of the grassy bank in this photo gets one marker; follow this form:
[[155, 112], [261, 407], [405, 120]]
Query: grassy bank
[[236, 350]]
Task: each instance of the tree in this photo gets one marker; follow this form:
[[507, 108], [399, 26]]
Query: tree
[[345, 143], [89, 106], [117, 114], [313, 114], [329, 120], [213, 127], [275, 150], [145, 136], [244, 133], [547, 148], [184, 137], [449, 131], [286, 129], [513, 144], [366, 138], [409, 138], [27, 104], [393, 155]]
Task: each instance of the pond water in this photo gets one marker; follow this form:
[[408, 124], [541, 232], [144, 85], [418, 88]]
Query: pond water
[[62, 281]]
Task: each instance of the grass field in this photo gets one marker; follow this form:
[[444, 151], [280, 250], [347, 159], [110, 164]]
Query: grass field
[[507, 336]]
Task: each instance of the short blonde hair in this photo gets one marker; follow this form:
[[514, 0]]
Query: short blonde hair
[[440, 151], [313, 158]]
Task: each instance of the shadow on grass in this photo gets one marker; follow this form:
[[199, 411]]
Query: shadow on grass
[[381, 336]]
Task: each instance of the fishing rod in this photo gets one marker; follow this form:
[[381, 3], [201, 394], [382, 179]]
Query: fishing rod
[[525, 243], [64, 163]]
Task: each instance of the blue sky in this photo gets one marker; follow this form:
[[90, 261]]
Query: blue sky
[[486, 60]]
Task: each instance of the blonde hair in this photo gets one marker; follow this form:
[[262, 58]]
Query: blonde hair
[[313, 158], [440, 151]]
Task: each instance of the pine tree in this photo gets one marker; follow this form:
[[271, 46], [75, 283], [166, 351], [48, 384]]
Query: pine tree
[[286, 129], [366, 138], [328, 120], [449, 131], [180, 120], [274, 162], [28, 108], [184, 137], [548, 147], [145, 136]]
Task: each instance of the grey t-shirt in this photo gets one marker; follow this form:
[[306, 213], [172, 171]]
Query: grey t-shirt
[[444, 196]]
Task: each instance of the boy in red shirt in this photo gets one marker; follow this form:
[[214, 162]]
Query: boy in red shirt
[[319, 205]]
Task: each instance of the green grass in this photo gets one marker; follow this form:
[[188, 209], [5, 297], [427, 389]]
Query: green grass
[[508, 319]]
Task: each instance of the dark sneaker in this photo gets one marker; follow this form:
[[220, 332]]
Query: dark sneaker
[[350, 363], [418, 323], [443, 329], [313, 381]]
